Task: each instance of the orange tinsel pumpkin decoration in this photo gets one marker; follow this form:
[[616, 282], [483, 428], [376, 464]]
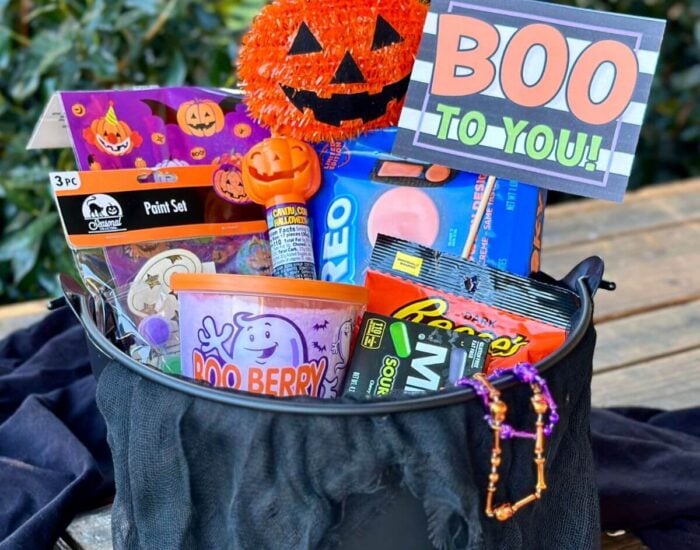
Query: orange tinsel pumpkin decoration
[[328, 69]]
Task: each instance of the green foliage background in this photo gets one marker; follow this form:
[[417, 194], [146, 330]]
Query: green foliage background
[[89, 44]]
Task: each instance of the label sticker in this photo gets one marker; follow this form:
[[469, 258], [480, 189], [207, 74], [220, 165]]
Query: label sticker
[[62, 181], [116, 207], [407, 264], [290, 241]]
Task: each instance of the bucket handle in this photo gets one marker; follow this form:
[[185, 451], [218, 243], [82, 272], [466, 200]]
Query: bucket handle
[[79, 301]]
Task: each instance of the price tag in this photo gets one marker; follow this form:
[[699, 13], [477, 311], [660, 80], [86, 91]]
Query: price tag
[[532, 91], [64, 181]]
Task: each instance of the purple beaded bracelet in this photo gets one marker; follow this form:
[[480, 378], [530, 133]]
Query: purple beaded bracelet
[[527, 374]]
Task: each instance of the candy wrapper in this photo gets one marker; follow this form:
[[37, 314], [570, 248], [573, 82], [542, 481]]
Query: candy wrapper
[[392, 356], [157, 127], [522, 319], [367, 191]]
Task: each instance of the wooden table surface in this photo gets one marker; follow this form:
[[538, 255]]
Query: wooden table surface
[[648, 349]]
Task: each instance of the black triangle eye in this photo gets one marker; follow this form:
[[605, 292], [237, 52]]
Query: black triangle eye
[[304, 42], [384, 34]]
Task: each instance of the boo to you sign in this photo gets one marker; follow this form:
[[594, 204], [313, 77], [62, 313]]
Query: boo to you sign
[[547, 94]]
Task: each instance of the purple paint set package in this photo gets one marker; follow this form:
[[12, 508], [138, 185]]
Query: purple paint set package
[[166, 129], [157, 127], [132, 229]]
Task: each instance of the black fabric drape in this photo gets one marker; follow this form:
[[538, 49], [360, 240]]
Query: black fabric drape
[[196, 474], [648, 473], [54, 463], [54, 459]]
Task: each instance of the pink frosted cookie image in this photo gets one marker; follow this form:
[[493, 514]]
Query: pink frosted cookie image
[[274, 336], [407, 213]]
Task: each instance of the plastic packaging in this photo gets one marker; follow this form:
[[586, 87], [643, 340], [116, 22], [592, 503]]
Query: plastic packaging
[[394, 357], [522, 319], [157, 127], [140, 226], [367, 191], [267, 335], [244, 254], [151, 336]]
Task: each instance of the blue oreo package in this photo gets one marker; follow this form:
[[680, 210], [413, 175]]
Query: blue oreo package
[[367, 191]]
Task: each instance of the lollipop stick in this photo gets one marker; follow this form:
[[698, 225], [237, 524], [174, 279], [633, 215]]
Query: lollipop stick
[[476, 221]]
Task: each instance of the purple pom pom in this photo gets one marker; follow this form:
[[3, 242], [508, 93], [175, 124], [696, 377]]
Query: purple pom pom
[[155, 330]]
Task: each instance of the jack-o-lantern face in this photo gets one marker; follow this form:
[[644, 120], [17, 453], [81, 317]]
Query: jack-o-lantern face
[[281, 167], [112, 136], [111, 210], [200, 118], [228, 184], [314, 76]]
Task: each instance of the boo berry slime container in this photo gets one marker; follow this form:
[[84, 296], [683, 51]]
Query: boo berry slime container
[[267, 335]]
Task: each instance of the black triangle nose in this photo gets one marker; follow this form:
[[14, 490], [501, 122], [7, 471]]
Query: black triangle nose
[[348, 72]]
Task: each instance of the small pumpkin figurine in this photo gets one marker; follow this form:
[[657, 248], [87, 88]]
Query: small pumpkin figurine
[[200, 118], [282, 173], [329, 69], [280, 170], [111, 135]]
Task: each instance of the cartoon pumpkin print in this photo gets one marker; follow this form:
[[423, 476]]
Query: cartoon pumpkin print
[[228, 183], [111, 135], [200, 118], [254, 258], [112, 210], [316, 77], [242, 130], [78, 109], [196, 117]]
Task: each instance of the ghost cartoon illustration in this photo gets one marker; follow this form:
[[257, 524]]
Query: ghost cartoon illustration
[[267, 340], [341, 344], [340, 354]]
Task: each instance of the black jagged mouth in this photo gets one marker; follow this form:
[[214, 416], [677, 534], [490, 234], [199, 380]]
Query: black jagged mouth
[[202, 125], [341, 107], [233, 197], [116, 148]]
